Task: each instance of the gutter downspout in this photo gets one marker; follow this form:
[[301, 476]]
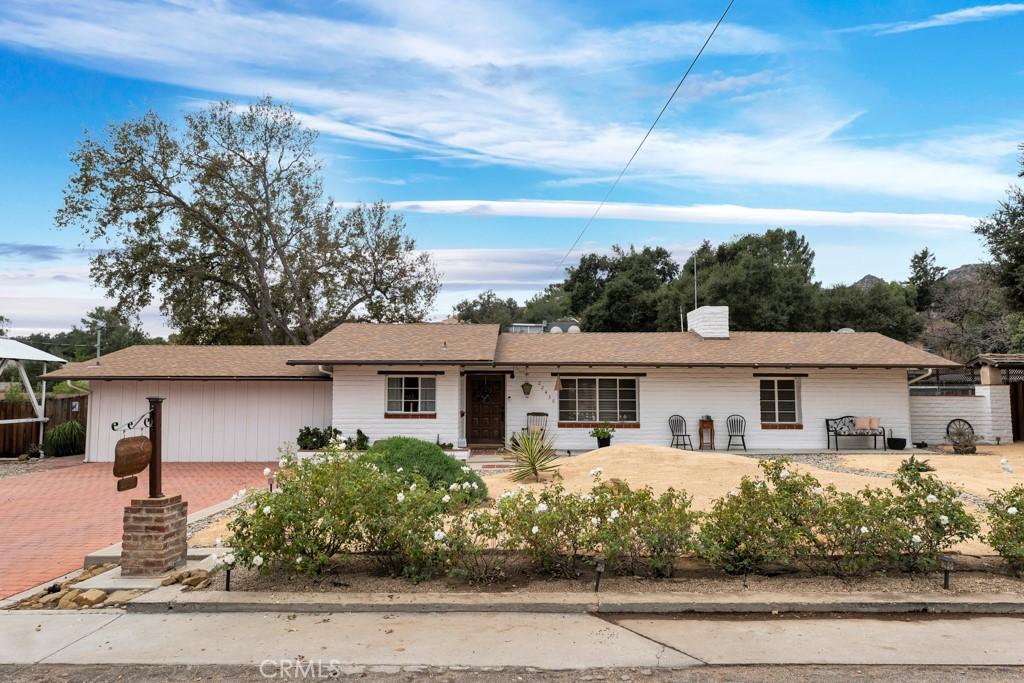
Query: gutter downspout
[[926, 375]]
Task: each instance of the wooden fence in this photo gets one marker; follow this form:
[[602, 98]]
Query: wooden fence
[[15, 439]]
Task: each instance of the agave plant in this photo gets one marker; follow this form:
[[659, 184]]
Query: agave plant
[[532, 455]]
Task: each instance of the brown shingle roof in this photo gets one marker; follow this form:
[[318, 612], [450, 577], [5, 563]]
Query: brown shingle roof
[[193, 362], [370, 343], [770, 349], [1005, 360]]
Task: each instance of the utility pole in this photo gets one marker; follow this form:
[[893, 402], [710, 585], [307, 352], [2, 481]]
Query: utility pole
[[99, 331], [695, 281]]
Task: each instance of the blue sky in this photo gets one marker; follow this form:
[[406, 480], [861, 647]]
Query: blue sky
[[875, 128]]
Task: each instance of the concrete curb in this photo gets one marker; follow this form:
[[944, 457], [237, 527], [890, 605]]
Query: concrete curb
[[173, 598]]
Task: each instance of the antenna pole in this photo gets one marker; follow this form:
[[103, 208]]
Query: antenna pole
[[695, 280], [98, 332]]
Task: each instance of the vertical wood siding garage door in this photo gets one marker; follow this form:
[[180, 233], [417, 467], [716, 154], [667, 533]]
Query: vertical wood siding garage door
[[211, 420]]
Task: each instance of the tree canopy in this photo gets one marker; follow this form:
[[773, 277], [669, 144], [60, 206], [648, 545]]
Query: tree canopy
[[79, 343], [925, 276], [227, 221], [1003, 233]]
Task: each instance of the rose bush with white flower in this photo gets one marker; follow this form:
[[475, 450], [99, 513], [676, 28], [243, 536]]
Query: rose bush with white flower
[[1006, 526]]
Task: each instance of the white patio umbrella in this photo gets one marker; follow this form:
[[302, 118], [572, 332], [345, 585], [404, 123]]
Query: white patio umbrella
[[13, 354]]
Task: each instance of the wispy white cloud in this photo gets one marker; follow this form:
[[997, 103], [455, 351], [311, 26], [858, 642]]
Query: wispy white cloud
[[511, 84], [721, 214], [960, 16]]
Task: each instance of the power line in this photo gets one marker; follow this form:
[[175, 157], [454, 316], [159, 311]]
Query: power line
[[650, 130]]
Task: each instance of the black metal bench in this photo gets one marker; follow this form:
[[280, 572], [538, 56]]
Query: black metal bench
[[836, 427]]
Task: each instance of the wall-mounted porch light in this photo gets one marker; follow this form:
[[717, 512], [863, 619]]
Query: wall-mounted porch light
[[527, 388]]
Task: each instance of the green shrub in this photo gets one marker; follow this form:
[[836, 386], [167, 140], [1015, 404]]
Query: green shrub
[[790, 520], [551, 527], [930, 518], [762, 523], [476, 538], [67, 438], [411, 457], [361, 442], [532, 454], [1006, 525], [640, 533], [335, 503], [316, 438]]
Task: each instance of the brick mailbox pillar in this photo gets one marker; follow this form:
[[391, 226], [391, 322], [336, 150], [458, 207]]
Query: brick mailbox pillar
[[154, 540]]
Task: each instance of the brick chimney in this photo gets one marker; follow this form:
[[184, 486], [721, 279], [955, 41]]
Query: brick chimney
[[709, 322]]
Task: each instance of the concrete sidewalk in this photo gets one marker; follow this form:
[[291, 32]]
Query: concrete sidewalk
[[544, 641]]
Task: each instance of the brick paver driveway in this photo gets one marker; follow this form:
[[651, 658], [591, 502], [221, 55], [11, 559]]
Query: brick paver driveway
[[50, 519]]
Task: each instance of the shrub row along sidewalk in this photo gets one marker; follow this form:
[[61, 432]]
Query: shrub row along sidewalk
[[420, 516]]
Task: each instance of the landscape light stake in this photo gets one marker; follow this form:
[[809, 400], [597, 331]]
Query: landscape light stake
[[600, 570], [227, 580], [947, 566]]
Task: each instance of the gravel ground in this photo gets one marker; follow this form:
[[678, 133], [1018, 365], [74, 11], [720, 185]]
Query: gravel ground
[[198, 531], [45, 673], [14, 468], [359, 575]]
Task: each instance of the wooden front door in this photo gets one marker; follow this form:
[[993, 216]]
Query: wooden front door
[[485, 410]]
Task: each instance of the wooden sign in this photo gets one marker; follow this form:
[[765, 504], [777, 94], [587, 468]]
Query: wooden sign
[[127, 483], [131, 456]]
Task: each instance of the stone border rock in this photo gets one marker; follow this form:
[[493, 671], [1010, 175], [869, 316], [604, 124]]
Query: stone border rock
[[174, 598]]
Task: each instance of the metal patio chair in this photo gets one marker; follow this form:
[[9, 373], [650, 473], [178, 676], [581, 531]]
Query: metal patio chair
[[736, 425], [680, 439]]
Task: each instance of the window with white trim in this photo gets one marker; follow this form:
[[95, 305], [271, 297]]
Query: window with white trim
[[780, 401], [412, 394], [597, 399]]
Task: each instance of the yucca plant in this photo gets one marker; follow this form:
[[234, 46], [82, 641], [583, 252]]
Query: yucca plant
[[67, 438], [532, 454]]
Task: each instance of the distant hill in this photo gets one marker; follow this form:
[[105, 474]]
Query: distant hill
[[969, 272], [868, 281]]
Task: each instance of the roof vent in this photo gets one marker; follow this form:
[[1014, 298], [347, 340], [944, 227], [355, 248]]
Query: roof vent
[[710, 322], [573, 329]]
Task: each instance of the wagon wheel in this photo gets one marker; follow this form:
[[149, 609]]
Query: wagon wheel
[[959, 428]]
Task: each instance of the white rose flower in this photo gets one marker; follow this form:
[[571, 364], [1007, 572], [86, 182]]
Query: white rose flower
[[438, 535], [541, 507], [597, 472], [864, 529], [534, 529], [817, 490], [298, 560], [465, 486], [400, 469], [229, 558], [453, 487], [595, 521], [446, 498], [266, 509], [1011, 510], [258, 560], [474, 486], [915, 538], [931, 498], [266, 471], [614, 514], [282, 463], [400, 496], [465, 469], [412, 487], [784, 474], [943, 520], [343, 446]]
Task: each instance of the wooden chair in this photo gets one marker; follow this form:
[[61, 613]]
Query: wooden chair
[[680, 439], [536, 422], [737, 428]]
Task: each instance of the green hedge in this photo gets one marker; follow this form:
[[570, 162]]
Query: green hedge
[[410, 457]]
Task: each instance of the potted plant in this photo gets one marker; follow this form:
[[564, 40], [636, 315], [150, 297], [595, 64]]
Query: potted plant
[[603, 433]]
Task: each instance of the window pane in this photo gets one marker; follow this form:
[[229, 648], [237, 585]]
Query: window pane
[[787, 417], [428, 383], [427, 406], [394, 406], [567, 414], [768, 416], [427, 393], [629, 384]]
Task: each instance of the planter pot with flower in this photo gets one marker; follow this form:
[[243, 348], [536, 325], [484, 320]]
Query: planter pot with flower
[[603, 433]]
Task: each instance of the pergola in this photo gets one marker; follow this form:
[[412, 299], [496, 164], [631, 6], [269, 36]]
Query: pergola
[[14, 354]]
